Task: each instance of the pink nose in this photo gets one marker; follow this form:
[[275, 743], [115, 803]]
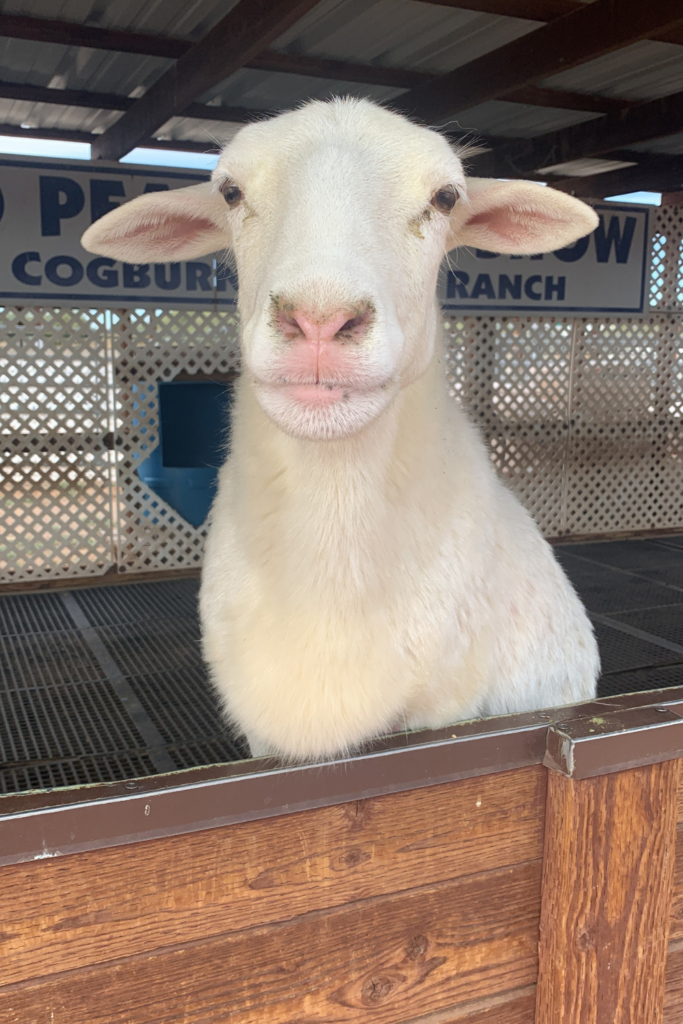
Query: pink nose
[[341, 326]]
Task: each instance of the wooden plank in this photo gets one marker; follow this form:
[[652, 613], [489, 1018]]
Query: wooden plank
[[387, 959], [516, 1007], [607, 885], [246, 30], [652, 120], [673, 996], [64, 913], [676, 929], [598, 28]]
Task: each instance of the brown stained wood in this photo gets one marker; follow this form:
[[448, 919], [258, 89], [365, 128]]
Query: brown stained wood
[[516, 1007], [607, 884], [89, 907], [386, 960], [673, 994], [676, 930]]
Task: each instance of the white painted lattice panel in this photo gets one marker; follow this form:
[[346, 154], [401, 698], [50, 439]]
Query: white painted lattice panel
[[148, 347], [582, 418], [55, 471]]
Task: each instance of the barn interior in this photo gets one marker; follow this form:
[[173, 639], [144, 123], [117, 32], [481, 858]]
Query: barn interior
[[101, 676]]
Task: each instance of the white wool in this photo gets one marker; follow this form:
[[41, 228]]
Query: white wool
[[364, 567]]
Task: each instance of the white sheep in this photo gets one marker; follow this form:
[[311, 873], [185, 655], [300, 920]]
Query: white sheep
[[365, 569]]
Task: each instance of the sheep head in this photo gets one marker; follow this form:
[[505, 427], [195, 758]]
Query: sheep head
[[339, 215]]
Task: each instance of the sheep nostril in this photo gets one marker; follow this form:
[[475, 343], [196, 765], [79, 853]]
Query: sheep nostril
[[356, 321]]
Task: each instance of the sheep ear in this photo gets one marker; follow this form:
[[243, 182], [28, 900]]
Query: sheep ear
[[162, 227], [519, 217]]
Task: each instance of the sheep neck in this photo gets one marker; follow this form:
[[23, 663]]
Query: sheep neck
[[326, 515]]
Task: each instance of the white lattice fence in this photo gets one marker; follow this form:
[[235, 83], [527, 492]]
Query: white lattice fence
[[149, 347], [55, 473], [582, 417]]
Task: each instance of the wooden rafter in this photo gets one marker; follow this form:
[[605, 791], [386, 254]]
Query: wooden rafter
[[341, 70], [68, 33], [658, 172], [204, 111], [246, 30], [112, 101], [531, 10], [543, 11], [563, 100], [598, 28], [642, 123]]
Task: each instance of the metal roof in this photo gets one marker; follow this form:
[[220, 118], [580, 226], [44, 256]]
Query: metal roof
[[406, 34]]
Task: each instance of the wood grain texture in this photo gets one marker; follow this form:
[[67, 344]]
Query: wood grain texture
[[516, 1007], [607, 886], [673, 995], [676, 932], [72, 911], [386, 960]]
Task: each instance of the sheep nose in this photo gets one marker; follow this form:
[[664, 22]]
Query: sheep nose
[[341, 325]]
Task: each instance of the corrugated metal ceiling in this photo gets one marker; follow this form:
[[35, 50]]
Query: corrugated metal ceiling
[[394, 33]]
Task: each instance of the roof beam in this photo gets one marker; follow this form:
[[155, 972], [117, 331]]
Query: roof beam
[[564, 100], [45, 30], [652, 120], [528, 10], [70, 34], [70, 135], [67, 33], [659, 172], [598, 28], [343, 71], [542, 10], [246, 30], [112, 101]]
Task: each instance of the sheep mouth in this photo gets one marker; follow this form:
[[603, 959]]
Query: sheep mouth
[[321, 392]]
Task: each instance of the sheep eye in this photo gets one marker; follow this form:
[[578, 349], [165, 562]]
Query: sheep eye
[[231, 192], [444, 200]]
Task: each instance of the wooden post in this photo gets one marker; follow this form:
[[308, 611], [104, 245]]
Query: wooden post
[[607, 886]]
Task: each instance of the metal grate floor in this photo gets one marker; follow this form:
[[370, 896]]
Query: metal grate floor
[[104, 684], [107, 683], [633, 591]]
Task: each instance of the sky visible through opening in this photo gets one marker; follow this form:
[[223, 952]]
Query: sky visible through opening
[[15, 145]]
